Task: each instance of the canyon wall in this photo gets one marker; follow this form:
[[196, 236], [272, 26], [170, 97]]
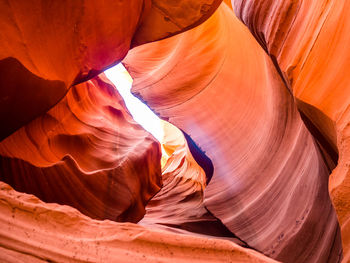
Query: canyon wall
[[33, 231], [264, 116], [179, 205], [86, 152], [270, 179], [308, 42], [46, 47]]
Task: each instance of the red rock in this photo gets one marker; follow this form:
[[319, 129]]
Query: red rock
[[179, 205], [308, 43], [34, 231], [46, 47], [86, 152], [78, 145], [269, 184], [249, 158]]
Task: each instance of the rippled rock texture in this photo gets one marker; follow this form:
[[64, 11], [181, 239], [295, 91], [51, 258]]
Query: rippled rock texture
[[308, 43], [269, 184], [45, 47], [263, 110], [33, 231], [86, 152], [178, 206]]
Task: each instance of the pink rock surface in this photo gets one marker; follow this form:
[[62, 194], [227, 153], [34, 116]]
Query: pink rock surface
[[269, 184], [308, 42], [46, 47], [34, 231], [86, 152], [252, 170], [179, 205]]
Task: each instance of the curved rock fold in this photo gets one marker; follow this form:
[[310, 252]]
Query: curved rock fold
[[270, 180], [86, 152], [258, 89]]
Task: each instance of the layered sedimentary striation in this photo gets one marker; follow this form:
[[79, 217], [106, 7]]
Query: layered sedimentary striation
[[269, 183], [86, 152], [292, 33], [46, 47], [247, 168], [308, 43], [179, 205], [33, 231]]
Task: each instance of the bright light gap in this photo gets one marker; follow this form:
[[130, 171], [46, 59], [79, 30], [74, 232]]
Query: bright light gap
[[141, 113]]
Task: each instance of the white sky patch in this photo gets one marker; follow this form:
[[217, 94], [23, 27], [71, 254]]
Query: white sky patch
[[120, 77]]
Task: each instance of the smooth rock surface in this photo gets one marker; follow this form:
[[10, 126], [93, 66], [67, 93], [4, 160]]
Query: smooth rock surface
[[86, 152], [308, 42], [179, 205], [270, 180], [45, 47], [265, 121], [34, 231]]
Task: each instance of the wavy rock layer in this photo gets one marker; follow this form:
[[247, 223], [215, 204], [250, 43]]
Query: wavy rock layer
[[309, 43], [46, 47], [86, 152], [179, 205], [34, 231], [270, 180]]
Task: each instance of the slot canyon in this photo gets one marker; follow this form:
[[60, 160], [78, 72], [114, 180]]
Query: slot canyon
[[251, 162]]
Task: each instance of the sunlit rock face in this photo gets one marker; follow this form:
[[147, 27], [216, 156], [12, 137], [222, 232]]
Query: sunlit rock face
[[309, 43], [179, 206], [78, 147], [270, 181], [34, 231], [46, 47], [295, 35], [263, 112], [86, 152]]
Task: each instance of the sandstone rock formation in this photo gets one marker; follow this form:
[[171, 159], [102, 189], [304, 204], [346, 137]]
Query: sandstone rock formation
[[46, 47], [263, 112], [90, 143], [179, 206], [33, 231], [308, 43], [270, 180]]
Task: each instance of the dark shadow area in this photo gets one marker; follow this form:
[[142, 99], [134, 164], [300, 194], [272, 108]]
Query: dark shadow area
[[210, 228], [323, 130], [24, 96], [96, 195], [200, 157], [320, 126]]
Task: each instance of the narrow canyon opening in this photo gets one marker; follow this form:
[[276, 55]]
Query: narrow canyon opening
[[177, 205], [244, 157], [186, 170], [141, 113]]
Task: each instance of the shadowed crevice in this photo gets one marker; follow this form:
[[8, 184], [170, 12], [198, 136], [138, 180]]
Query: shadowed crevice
[[320, 126], [200, 157], [24, 96]]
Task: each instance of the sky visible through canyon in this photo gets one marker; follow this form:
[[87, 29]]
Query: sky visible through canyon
[[141, 113]]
